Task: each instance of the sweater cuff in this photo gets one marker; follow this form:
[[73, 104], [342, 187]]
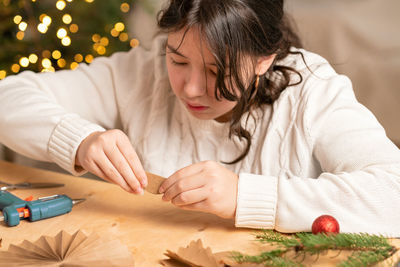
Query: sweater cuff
[[256, 201], [65, 140]]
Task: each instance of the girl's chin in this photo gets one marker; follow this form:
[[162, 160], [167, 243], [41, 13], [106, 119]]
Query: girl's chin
[[202, 116]]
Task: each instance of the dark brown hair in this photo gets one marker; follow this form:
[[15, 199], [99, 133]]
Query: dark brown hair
[[233, 29]]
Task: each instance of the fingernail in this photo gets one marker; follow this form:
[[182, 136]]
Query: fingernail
[[140, 191]]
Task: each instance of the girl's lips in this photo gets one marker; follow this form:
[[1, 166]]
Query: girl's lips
[[195, 107]]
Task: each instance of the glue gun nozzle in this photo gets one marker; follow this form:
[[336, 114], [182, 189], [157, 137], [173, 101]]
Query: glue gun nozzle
[[77, 201]]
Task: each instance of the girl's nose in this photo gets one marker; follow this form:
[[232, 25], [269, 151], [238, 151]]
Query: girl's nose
[[196, 84]]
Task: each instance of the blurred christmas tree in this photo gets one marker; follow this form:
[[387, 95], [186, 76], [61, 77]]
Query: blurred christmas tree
[[47, 35]]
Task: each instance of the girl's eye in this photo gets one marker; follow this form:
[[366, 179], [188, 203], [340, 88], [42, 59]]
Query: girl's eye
[[178, 63], [213, 73]]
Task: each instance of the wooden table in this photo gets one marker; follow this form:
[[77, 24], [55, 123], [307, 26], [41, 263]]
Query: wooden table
[[145, 224]]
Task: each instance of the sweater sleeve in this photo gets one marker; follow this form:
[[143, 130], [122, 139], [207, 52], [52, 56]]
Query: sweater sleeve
[[360, 180], [257, 199], [45, 116]]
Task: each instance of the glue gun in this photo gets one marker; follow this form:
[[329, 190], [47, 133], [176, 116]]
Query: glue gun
[[14, 209]]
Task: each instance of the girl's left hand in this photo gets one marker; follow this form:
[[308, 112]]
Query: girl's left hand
[[205, 186]]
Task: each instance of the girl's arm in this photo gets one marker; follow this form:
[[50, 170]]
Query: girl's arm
[[360, 180], [46, 116]]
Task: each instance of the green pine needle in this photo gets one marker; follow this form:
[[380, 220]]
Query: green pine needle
[[362, 258]]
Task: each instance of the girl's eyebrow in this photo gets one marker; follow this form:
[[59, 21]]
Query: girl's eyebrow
[[175, 51]]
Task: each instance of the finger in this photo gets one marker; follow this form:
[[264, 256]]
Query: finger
[[124, 170], [111, 172], [198, 206], [190, 197], [125, 146], [101, 174], [184, 184], [95, 169], [180, 174]]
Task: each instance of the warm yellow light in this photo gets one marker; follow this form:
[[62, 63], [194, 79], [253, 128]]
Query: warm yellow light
[[61, 63], [89, 1], [22, 26], [17, 19], [46, 53], [3, 74], [101, 50], [46, 63], [56, 54], [134, 42], [89, 58], [95, 37], [15, 68], [33, 58], [50, 69], [125, 7], [74, 65], [104, 41], [78, 58], [66, 41], [24, 62], [67, 19], [41, 17], [46, 20], [69, 1], [20, 35], [42, 28], [114, 33], [119, 26], [61, 33], [123, 37], [60, 5], [74, 28]]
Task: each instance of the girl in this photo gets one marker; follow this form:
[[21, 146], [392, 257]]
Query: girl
[[246, 125]]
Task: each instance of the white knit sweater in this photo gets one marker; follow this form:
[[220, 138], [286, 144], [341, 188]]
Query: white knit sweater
[[315, 151]]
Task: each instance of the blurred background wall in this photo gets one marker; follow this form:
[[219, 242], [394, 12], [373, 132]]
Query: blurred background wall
[[360, 38]]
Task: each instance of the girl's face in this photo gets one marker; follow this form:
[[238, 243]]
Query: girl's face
[[192, 75]]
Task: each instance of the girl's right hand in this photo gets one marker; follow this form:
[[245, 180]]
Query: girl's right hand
[[110, 155]]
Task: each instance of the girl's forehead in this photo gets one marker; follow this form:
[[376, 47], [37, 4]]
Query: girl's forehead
[[190, 43]]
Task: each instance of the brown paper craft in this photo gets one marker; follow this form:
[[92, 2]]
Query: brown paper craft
[[153, 183], [68, 250], [194, 255]]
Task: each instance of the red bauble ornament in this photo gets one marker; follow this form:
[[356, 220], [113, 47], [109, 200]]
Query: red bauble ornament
[[325, 224]]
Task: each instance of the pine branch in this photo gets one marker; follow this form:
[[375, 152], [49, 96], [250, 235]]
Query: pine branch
[[270, 258], [276, 238], [368, 249]]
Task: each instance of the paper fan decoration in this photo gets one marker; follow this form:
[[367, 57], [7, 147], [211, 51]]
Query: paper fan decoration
[[68, 250], [195, 255]]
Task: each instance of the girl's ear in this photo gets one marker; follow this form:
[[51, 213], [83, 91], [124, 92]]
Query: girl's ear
[[263, 64]]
